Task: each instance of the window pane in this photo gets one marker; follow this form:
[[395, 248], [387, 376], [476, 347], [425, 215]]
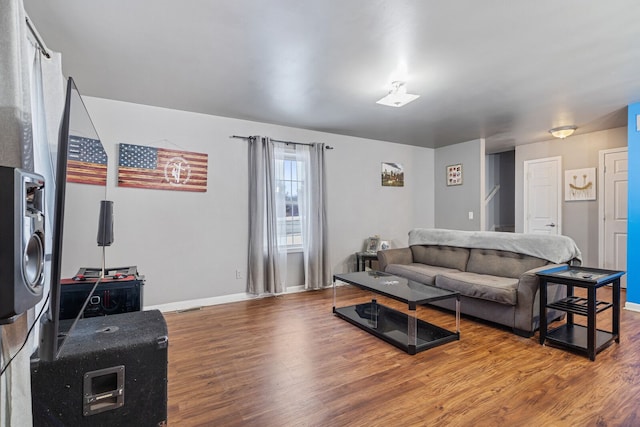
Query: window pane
[[289, 192], [287, 169], [291, 185]]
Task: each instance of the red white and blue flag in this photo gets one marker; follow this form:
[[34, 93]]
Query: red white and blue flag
[[86, 161], [140, 166]]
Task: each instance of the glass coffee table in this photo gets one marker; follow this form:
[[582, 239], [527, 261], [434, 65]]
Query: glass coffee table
[[405, 331]]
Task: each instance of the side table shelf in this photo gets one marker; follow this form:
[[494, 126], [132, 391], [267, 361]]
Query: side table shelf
[[578, 305], [576, 337], [586, 339]]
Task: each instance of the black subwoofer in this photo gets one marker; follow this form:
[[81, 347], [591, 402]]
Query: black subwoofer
[[22, 247], [112, 371]]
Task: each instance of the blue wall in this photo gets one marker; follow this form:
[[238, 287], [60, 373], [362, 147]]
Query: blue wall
[[633, 254]]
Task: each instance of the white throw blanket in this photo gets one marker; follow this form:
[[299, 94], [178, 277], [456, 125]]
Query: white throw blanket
[[557, 249]]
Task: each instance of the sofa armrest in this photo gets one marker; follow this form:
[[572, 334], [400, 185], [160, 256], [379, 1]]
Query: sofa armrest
[[528, 305], [394, 256]]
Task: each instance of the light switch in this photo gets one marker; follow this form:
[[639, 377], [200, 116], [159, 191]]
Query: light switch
[[470, 214]]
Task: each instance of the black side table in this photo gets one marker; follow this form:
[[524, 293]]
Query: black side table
[[363, 257], [589, 339]]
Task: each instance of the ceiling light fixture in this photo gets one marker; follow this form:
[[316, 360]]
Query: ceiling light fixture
[[397, 96], [563, 131]]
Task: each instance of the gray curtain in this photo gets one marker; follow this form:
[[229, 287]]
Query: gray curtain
[[315, 234], [16, 149], [267, 252], [31, 103], [47, 105], [15, 112]]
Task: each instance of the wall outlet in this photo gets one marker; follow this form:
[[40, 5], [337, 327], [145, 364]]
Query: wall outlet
[[238, 274]]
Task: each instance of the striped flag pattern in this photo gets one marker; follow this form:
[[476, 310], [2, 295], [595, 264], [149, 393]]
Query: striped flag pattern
[[86, 161], [140, 166]]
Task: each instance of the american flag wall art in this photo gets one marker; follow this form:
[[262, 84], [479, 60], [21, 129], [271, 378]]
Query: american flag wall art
[[86, 161], [141, 166]]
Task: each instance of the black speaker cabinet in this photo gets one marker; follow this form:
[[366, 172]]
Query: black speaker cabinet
[[22, 241], [112, 371]]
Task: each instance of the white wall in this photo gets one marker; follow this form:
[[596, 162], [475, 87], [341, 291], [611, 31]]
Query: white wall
[[189, 245], [453, 203], [579, 218]]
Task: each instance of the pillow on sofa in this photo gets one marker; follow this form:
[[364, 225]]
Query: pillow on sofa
[[502, 263], [423, 273], [503, 290], [441, 256]]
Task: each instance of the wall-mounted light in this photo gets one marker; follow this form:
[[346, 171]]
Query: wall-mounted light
[[563, 131], [397, 96]]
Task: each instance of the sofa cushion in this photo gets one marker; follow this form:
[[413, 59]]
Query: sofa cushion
[[419, 272], [501, 263], [491, 288], [441, 256]]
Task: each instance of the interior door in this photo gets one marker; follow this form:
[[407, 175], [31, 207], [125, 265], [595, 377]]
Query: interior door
[[613, 210], [542, 203]]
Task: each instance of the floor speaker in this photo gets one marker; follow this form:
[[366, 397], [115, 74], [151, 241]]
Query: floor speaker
[[22, 250], [111, 371]]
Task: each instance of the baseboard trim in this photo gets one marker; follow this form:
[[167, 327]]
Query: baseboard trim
[[223, 299], [632, 306]]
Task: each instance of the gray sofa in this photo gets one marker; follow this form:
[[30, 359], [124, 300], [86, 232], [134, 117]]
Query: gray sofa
[[494, 272]]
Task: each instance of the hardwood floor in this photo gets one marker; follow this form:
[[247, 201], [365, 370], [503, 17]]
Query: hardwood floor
[[287, 361]]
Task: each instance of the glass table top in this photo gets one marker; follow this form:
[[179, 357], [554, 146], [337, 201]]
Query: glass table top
[[395, 287]]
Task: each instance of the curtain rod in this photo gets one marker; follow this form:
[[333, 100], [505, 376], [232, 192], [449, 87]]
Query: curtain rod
[[36, 36], [328, 147]]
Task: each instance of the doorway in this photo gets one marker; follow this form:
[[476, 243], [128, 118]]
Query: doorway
[[612, 233], [500, 172], [542, 196]]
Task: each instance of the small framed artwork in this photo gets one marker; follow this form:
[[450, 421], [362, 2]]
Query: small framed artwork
[[392, 175], [580, 184], [454, 174], [372, 244]]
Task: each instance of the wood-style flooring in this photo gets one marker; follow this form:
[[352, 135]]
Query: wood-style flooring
[[288, 361]]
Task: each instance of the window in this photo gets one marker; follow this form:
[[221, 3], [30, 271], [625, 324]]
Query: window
[[292, 183]]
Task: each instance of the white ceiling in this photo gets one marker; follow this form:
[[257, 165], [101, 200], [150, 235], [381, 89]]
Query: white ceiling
[[507, 71]]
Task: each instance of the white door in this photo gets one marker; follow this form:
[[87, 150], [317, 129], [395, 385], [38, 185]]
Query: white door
[[613, 210], [542, 192]]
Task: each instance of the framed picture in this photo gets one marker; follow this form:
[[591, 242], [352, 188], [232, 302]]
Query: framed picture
[[580, 184], [372, 244], [454, 174], [392, 175]]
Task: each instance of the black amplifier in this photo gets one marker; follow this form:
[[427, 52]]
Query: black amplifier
[[119, 291]]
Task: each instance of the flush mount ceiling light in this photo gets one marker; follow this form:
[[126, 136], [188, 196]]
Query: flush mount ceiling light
[[397, 96], [563, 131]]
